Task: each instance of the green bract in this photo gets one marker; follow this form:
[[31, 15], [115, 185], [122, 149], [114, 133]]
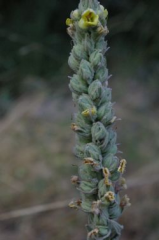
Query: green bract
[[100, 170]]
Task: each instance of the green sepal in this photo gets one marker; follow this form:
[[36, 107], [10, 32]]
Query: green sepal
[[100, 135], [101, 74], [75, 97], [91, 150], [104, 231], [88, 187], [79, 52], [105, 113], [111, 162], [96, 59], [83, 5], [96, 92], [87, 173], [88, 43], [102, 188], [86, 71], [84, 128], [115, 176], [107, 94], [116, 228], [86, 204], [111, 147], [73, 63], [101, 44], [79, 150], [114, 211], [77, 85], [85, 102]]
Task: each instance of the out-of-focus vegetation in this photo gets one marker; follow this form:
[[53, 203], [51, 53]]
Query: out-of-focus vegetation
[[36, 110]]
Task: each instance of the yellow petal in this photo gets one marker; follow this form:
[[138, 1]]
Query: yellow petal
[[69, 21], [89, 19]]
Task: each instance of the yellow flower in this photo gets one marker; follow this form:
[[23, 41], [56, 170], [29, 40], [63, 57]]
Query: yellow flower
[[89, 19], [69, 22]]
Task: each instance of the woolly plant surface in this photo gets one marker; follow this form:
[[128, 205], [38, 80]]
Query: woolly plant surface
[[100, 169]]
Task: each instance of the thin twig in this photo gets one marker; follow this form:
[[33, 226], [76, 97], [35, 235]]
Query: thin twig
[[33, 210], [63, 204]]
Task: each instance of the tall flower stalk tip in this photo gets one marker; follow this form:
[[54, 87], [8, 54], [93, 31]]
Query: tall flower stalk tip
[[100, 172]]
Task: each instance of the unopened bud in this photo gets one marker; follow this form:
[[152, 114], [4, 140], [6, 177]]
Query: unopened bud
[[96, 58], [75, 14]]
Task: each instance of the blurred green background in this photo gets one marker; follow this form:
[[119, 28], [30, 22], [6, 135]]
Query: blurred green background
[[36, 143]]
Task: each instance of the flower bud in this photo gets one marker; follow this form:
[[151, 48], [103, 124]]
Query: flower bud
[[86, 172], [78, 85], [100, 135], [95, 91], [86, 71], [101, 74], [88, 187], [88, 43], [75, 14], [96, 59], [78, 52], [73, 63], [92, 151], [85, 102], [69, 22], [111, 162]]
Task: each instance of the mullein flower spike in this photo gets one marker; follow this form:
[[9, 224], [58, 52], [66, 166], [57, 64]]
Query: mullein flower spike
[[100, 171]]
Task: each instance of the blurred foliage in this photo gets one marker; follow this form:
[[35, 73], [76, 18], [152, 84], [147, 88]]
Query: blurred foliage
[[33, 42]]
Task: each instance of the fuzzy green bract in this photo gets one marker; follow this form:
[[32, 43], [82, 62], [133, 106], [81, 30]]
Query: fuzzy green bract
[[100, 170]]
